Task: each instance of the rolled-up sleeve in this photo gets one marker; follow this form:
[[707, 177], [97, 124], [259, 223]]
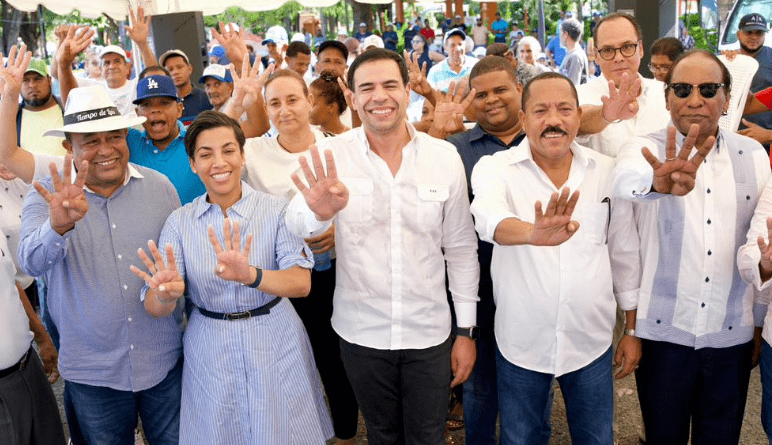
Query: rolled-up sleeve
[[624, 253], [490, 205], [633, 176]]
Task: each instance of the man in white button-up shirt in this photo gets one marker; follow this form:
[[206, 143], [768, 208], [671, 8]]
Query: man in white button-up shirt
[[550, 321], [694, 189], [401, 210]]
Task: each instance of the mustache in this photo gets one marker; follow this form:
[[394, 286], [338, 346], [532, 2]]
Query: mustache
[[553, 129]]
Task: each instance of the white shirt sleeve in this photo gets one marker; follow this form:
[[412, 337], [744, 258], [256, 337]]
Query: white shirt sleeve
[[490, 205]]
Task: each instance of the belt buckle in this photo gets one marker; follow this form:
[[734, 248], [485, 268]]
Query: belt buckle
[[238, 315]]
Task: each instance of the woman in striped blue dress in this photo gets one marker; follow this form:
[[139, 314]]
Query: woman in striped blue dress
[[249, 375]]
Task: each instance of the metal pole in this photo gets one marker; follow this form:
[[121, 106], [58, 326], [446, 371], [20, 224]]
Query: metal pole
[[542, 30]]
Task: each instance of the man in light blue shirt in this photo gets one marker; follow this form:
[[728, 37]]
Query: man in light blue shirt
[[455, 67]]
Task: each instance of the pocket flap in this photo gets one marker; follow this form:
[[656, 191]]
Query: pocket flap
[[429, 192]]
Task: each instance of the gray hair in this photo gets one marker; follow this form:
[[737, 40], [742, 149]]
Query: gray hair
[[533, 43], [573, 28]]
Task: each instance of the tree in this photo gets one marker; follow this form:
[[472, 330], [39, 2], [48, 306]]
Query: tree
[[12, 19]]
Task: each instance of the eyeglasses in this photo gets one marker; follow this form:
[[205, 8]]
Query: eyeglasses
[[627, 50], [657, 68], [683, 90]]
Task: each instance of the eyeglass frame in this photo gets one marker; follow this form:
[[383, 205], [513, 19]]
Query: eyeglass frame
[[656, 68], [600, 51], [691, 88]]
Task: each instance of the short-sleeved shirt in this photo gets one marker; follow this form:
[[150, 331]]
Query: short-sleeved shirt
[[441, 75], [194, 103], [558, 52], [500, 29], [34, 124], [428, 33], [765, 97], [172, 161]]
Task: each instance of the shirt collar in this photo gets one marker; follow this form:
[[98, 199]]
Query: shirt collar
[[132, 173], [680, 138], [365, 144], [201, 205]]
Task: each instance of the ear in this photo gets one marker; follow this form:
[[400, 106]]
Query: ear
[[191, 166], [180, 109], [67, 145], [311, 99]]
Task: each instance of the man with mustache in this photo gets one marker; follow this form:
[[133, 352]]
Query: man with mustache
[[39, 111], [549, 322]]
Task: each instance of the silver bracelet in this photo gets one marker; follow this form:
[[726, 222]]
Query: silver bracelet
[[606, 120]]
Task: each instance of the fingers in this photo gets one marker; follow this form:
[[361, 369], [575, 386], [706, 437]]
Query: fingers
[[651, 159], [332, 171], [174, 288], [147, 261], [48, 196], [298, 183], [80, 178], [159, 260], [317, 160], [171, 262], [702, 151], [227, 235], [248, 246], [689, 141], [562, 201], [213, 239], [144, 276], [537, 211], [468, 99], [552, 205], [744, 121], [571, 204], [56, 180], [310, 178], [670, 145]]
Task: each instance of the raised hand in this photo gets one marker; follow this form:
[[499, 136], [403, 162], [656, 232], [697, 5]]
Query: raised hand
[[765, 264], [61, 32], [417, 76], [233, 42], [554, 226], [449, 111], [677, 174], [248, 85], [67, 204], [140, 29], [164, 279], [74, 43], [232, 261], [12, 75], [325, 194], [346, 91], [621, 103]]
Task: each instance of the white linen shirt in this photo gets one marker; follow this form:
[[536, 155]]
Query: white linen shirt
[[393, 239], [652, 115], [555, 305], [691, 291], [15, 336]]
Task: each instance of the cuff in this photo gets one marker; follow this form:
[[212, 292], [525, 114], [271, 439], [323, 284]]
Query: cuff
[[466, 314], [627, 300]]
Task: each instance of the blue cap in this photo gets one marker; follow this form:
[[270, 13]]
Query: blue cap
[[217, 51], [156, 85]]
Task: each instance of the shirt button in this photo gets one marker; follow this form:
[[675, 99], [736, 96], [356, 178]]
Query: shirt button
[[747, 197], [707, 279], [659, 321], [702, 305], [114, 226], [125, 287], [128, 319], [120, 257], [58, 244], [131, 347], [155, 151], [741, 152], [730, 328], [708, 190], [710, 253], [708, 221]]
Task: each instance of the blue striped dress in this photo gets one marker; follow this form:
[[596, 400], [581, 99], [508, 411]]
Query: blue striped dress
[[249, 381]]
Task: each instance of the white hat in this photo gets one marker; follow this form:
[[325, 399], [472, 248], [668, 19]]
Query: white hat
[[479, 52], [115, 49], [298, 37], [90, 110], [173, 53], [371, 41]]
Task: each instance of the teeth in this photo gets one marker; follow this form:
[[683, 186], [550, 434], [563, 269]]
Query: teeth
[[221, 176], [381, 111], [553, 135], [106, 163]]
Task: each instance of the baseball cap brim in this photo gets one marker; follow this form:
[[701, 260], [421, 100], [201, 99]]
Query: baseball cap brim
[[754, 27]]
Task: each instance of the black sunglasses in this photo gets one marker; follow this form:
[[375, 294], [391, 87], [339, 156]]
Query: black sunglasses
[[707, 90]]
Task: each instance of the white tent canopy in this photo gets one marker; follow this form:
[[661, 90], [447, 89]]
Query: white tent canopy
[[118, 9]]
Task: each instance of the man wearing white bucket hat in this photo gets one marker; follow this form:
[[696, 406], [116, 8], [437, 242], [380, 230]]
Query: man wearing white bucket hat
[[78, 231]]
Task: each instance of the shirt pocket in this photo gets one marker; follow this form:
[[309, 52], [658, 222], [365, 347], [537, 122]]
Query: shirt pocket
[[360, 200], [594, 222], [431, 199]]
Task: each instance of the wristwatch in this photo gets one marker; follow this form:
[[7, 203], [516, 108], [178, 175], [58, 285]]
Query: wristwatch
[[472, 332], [630, 332]]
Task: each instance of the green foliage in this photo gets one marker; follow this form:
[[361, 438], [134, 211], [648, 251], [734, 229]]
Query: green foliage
[[258, 21], [703, 38], [104, 26]]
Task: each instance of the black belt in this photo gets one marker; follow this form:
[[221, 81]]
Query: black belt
[[262, 310], [17, 367]]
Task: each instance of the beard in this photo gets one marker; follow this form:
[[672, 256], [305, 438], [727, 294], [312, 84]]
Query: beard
[[39, 102], [748, 49]]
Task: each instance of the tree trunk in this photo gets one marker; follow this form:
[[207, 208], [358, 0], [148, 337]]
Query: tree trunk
[[579, 8], [362, 12], [30, 31]]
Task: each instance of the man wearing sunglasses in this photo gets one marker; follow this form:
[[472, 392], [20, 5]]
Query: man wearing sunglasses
[[694, 188], [620, 103]]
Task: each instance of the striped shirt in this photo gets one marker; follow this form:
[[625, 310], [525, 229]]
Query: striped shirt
[[246, 381], [107, 337], [691, 291]]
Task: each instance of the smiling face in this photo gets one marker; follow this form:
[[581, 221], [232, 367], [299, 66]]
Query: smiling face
[[218, 161], [380, 97], [331, 59], [695, 109], [162, 114], [550, 120], [616, 33], [107, 155], [115, 69], [496, 102], [287, 105], [217, 91]]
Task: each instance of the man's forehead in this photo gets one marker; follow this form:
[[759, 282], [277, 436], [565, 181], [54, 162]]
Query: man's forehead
[[455, 40], [98, 135], [616, 30], [377, 72], [29, 75], [112, 57], [331, 53]]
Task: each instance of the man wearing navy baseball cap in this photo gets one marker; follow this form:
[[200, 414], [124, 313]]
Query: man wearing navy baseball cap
[[161, 145], [751, 34]]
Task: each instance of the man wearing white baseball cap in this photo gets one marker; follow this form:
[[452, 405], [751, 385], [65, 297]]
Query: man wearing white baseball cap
[[79, 231], [456, 66], [113, 59], [372, 41], [218, 85]]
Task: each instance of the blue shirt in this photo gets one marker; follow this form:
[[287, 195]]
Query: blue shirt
[[106, 336], [390, 40], [558, 52], [172, 161], [194, 103], [500, 30], [441, 75]]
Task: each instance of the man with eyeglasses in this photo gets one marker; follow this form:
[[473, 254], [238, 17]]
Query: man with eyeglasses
[[620, 103], [751, 34], [664, 52], [694, 188]]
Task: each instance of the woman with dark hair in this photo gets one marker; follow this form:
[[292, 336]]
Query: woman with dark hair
[[423, 54], [328, 104], [249, 374]]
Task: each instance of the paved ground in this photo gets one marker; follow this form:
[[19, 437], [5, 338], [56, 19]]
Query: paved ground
[[628, 421]]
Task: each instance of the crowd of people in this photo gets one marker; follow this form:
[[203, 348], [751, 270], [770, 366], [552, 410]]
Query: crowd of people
[[214, 260]]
